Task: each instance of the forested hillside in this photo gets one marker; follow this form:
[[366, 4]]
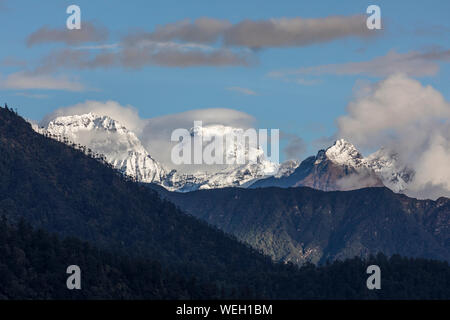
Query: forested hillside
[[306, 225], [33, 264], [132, 244]]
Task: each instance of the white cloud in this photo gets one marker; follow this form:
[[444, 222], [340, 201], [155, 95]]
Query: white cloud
[[24, 80], [157, 131], [400, 113]]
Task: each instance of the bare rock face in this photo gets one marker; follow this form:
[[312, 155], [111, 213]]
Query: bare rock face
[[342, 167]]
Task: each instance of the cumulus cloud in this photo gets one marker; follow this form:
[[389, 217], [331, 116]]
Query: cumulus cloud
[[88, 33], [412, 63], [401, 114], [156, 133], [25, 80]]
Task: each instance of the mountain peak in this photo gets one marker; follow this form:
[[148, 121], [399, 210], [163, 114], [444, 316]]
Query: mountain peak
[[104, 135], [343, 152], [90, 121]]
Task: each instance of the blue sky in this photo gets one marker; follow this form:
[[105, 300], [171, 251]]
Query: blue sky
[[305, 104]]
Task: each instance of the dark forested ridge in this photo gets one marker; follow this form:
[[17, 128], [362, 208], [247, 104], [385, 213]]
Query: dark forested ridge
[[131, 244], [33, 264], [307, 225], [60, 189]]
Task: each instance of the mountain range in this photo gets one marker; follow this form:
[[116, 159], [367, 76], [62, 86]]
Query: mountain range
[[298, 225], [131, 243], [125, 152], [342, 167], [60, 189], [302, 225], [339, 167]]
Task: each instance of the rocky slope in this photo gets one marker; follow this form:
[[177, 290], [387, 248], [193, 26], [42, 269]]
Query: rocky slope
[[342, 167]]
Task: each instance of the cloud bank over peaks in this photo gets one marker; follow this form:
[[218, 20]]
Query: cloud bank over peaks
[[412, 120]]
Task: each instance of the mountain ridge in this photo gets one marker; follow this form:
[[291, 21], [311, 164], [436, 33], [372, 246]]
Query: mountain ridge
[[302, 224], [339, 167], [342, 167], [125, 152], [60, 189]]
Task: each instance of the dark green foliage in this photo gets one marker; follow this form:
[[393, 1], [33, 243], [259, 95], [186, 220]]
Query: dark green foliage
[[134, 245], [59, 189], [33, 264], [303, 224]]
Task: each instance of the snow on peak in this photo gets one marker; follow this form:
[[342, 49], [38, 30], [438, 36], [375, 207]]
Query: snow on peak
[[106, 136], [123, 149], [286, 168], [385, 164], [238, 147], [343, 152], [87, 121]]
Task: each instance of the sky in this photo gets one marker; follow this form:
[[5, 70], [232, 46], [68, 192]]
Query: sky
[[304, 67]]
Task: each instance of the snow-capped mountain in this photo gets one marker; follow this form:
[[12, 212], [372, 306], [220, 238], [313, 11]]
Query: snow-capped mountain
[[286, 168], [230, 175], [339, 167], [238, 148], [386, 166], [233, 174], [342, 167], [384, 163], [108, 137], [344, 153], [123, 149]]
